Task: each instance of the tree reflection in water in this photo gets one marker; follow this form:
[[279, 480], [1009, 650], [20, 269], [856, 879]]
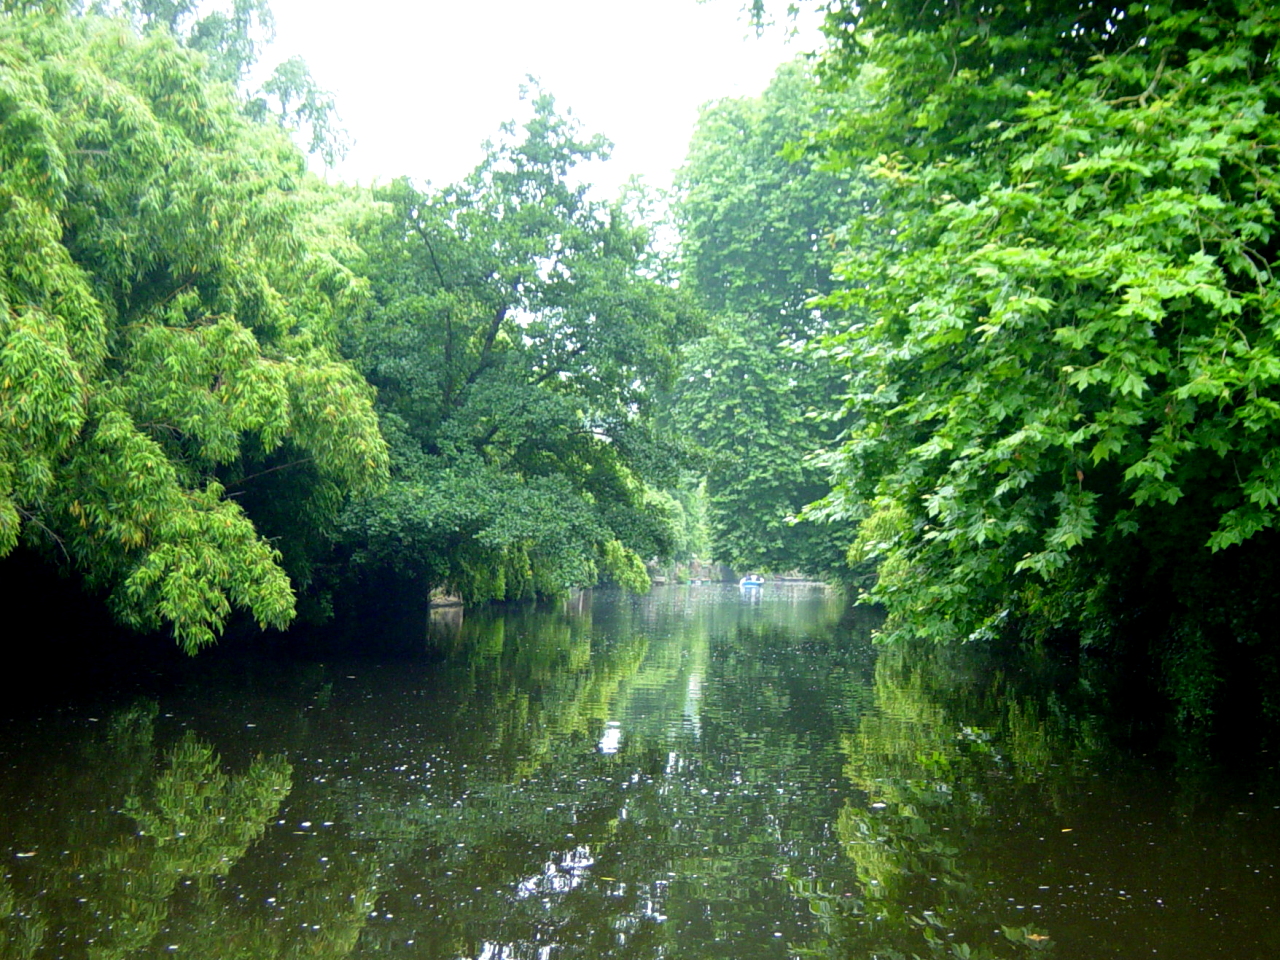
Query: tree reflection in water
[[129, 837], [684, 775], [927, 782]]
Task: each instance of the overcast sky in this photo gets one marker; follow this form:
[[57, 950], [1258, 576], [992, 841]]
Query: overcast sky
[[420, 85]]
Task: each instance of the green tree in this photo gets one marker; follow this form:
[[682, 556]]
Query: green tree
[[747, 400], [519, 334], [1068, 382], [293, 99], [757, 228], [165, 326], [231, 37]]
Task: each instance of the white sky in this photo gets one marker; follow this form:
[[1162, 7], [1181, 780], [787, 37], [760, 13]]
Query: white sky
[[420, 85]]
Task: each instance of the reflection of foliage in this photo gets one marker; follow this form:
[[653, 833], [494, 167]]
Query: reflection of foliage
[[542, 683], [203, 819], [653, 777], [930, 779], [904, 757], [529, 828], [21, 929], [114, 890], [327, 903]]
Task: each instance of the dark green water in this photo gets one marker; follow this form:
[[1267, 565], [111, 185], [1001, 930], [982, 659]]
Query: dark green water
[[690, 775]]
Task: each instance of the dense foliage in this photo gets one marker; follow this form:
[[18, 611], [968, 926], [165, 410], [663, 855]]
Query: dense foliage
[[757, 242], [177, 421], [519, 333], [165, 326], [1009, 319], [1068, 386]]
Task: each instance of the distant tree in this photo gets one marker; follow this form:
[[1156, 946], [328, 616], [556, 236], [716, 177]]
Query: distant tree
[[518, 337], [757, 232], [293, 99], [748, 401]]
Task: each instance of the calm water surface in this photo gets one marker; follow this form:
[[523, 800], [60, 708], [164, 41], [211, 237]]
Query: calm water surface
[[694, 774]]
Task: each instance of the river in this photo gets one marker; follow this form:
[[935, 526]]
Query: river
[[699, 773]]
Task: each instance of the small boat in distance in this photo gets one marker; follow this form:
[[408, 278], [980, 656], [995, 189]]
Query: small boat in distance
[[751, 580]]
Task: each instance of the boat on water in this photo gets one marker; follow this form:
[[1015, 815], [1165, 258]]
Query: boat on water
[[751, 580]]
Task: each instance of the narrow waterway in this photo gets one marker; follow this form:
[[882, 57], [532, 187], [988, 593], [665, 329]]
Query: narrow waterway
[[703, 772]]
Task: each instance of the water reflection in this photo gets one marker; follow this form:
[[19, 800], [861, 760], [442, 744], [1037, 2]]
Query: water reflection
[[991, 823], [693, 774], [100, 869]]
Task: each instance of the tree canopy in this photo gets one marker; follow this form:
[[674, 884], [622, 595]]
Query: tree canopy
[[519, 335], [166, 325], [177, 295], [758, 230], [1066, 386]]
